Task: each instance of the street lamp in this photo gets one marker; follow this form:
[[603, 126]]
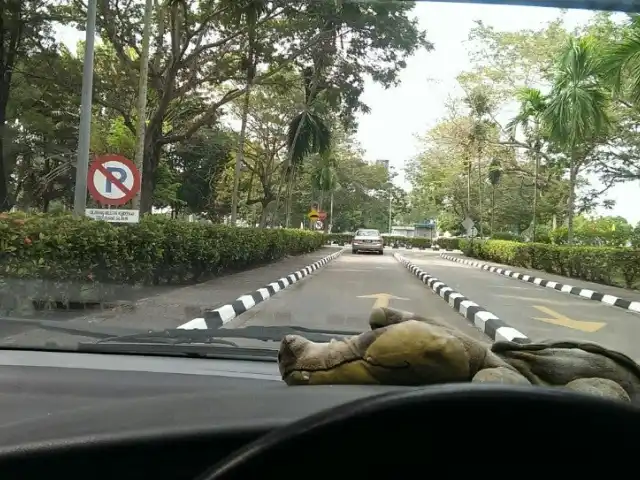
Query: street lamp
[[84, 131]]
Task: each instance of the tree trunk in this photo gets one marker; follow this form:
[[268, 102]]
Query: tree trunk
[[480, 191], [330, 223], [152, 154], [573, 176], [493, 206], [240, 155], [5, 200], [142, 96], [276, 209], [469, 190], [292, 180], [535, 198], [264, 213]]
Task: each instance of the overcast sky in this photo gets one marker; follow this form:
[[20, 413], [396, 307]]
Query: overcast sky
[[419, 102], [399, 114]]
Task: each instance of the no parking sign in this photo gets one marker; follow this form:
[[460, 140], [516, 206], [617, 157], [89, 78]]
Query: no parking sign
[[113, 180]]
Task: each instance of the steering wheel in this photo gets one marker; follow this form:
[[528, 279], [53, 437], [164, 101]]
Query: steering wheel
[[388, 435]]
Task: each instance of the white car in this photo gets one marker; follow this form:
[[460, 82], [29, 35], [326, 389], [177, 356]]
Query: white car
[[367, 240]]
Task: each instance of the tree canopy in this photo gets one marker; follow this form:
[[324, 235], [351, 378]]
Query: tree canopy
[[253, 106]]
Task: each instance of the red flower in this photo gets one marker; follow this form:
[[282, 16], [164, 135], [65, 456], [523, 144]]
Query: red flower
[[27, 241]]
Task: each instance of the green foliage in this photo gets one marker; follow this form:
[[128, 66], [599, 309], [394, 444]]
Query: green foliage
[[62, 252], [449, 243], [606, 265]]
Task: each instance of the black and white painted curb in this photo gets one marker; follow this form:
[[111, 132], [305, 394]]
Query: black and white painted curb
[[217, 317], [581, 292], [482, 319]]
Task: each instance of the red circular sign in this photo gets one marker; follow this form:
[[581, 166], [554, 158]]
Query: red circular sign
[[113, 180]]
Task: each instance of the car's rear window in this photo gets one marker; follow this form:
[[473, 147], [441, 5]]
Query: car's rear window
[[368, 233]]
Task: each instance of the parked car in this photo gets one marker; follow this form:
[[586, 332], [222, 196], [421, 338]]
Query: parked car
[[367, 240]]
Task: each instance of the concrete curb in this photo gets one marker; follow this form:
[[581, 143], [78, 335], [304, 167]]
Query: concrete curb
[[482, 319], [218, 317], [611, 300]]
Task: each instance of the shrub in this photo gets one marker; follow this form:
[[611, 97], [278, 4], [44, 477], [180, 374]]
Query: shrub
[[62, 257], [449, 243], [606, 265]]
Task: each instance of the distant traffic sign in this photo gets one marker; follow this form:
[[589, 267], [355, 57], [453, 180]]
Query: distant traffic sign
[[113, 180], [313, 215], [322, 215], [319, 225]]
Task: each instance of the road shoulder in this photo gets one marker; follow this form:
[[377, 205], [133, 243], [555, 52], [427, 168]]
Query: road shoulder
[[173, 308]]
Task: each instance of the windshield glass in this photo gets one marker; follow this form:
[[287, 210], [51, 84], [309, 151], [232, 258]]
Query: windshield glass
[[161, 182], [367, 233]]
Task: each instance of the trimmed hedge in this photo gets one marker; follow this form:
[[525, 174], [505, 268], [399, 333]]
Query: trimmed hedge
[[605, 265], [449, 243], [61, 256]]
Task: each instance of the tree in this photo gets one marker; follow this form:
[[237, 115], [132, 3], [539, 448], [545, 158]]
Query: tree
[[198, 49], [576, 112], [530, 118], [24, 33]]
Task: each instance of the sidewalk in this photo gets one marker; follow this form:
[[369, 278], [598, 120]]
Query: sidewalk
[[624, 293], [173, 306]]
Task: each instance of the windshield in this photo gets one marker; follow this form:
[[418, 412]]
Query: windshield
[[367, 233], [209, 170]]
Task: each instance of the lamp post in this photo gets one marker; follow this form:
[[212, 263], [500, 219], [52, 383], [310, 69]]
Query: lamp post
[[84, 130]]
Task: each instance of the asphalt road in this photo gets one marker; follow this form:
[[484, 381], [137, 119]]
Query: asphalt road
[[540, 313], [341, 295]]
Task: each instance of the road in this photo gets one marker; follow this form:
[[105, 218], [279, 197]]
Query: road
[[540, 313], [340, 297]]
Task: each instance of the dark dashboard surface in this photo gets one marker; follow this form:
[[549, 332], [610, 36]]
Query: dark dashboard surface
[[49, 396]]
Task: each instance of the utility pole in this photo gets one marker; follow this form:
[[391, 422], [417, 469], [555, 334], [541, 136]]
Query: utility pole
[[142, 96], [84, 131]]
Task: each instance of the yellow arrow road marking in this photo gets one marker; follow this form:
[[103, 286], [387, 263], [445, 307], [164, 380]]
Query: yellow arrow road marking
[[545, 300], [382, 299], [563, 321]]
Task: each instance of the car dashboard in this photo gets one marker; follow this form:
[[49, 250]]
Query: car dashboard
[[84, 415]]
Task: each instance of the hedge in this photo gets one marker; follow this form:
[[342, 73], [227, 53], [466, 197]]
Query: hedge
[[605, 265], [449, 243], [60, 256]]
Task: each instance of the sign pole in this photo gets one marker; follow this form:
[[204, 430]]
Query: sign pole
[[84, 135]]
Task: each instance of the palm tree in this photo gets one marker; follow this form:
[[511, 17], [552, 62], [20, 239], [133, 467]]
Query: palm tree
[[576, 112], [481, 108], [624, 56], [308, 131], [325, 179], [530, 118]]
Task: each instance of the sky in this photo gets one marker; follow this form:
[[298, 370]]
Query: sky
[[399, 114]]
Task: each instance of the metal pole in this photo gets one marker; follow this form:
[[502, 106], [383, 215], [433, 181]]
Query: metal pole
[[142, 96], [84, 133]]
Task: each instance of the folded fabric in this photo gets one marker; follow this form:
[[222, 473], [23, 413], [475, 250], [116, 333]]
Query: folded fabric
[[403, 348]]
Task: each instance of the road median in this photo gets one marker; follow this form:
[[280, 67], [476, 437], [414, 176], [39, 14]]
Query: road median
[[598, 293], [482, 319], [223, 314]]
